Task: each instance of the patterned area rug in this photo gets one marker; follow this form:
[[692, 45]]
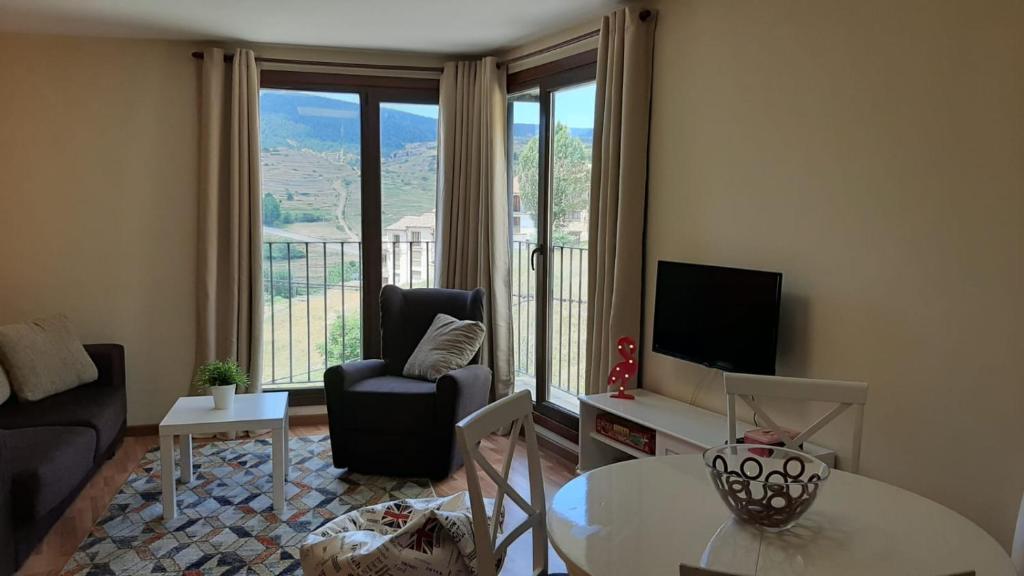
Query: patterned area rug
[[226, 524]]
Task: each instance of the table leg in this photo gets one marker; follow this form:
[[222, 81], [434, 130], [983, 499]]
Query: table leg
[[185, 447], [279, 451], [167, 475], [287, 449]]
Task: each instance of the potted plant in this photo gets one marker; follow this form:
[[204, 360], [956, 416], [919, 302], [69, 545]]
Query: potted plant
[[222, 378]]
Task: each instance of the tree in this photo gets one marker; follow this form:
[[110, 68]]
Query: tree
[[350, 272], [570, 176], [344, 340], [271, 209]]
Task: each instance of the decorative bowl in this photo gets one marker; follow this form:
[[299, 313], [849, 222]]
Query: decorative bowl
[[768, 486]]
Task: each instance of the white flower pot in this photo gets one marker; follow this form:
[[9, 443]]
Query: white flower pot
[[223, 397]]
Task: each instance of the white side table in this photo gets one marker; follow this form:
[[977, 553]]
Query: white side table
[[195, 415]]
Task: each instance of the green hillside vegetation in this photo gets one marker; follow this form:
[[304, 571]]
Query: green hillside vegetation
[[312, 187]]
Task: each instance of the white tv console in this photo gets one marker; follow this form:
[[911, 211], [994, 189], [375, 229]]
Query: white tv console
[[680, 428]]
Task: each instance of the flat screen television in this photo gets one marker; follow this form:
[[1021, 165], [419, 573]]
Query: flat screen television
[[725, 318]]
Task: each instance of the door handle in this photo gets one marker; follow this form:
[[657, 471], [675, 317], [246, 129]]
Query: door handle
[[538, 251]]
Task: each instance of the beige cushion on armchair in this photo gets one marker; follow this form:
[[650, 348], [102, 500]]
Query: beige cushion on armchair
[[44, 357], [5, 386], [449, 344]]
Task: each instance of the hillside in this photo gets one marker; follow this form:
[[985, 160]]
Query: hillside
[[311, 164], [302, 120]]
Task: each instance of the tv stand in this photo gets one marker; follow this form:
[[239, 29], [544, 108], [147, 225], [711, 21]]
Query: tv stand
[[680, 428]]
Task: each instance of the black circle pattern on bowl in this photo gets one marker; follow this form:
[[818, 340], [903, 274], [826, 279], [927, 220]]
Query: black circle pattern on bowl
[[775, 500]]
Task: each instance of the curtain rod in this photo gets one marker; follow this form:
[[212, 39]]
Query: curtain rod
[[644, 15], [539, 52], [552, 48], [361, 65]]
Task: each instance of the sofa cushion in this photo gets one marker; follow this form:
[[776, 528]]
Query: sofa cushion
[[44, 357], [5, 386], [46, 464], [97, 406], [390, 403]]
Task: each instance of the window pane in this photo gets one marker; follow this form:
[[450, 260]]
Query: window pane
[[408, 170], [310, 159], [524, 168], [571, 153]]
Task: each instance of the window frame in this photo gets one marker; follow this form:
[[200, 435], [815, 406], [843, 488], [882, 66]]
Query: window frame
[[547, 78], [372, 92]]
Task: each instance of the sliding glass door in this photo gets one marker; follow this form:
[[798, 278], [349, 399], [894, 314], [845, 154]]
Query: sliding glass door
[[551, 120]]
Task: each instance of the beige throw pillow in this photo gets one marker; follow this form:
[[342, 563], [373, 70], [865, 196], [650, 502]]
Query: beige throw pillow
[[5, 386], [449, 344], [44, 357]]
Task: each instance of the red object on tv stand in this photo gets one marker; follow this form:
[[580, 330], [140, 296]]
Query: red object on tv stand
[[624, 371]]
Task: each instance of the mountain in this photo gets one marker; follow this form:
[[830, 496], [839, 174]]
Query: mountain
[[527, 131], [299, 120]]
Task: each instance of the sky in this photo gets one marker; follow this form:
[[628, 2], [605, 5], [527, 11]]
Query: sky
[[426, 110], [574, 107]]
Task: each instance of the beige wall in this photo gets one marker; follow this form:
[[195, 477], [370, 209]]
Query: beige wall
[[873, 152], [98, 179], [98, 172]]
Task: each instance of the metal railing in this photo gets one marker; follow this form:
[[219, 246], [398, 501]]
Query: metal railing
[[312, 302], [567, 313], [313, 307]]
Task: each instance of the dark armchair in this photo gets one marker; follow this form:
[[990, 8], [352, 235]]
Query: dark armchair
[[383, 423]]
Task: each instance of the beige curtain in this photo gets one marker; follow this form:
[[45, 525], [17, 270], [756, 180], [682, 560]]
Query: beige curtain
[[474, 240], [230, 276], [618, 187]]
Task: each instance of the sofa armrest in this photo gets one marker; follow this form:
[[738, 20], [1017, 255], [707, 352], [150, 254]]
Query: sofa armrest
[[7, 552], [469, 387], [109, 360]]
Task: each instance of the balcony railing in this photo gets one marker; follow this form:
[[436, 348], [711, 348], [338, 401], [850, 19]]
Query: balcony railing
[[312, 303], [312, 315], [567, 325]]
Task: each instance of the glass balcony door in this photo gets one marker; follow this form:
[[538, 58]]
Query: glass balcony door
[[550, 150], [349, 175]]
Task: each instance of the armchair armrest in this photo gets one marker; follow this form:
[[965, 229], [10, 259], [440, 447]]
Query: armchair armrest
[[7, 559], [344, 375], [459, 393], [336, 380], [469, 387], [109, 360]]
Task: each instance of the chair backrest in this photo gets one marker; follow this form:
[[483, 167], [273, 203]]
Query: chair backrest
[[1018, 540], [515, 411], [687, 570], [844, 395], [405, 316]]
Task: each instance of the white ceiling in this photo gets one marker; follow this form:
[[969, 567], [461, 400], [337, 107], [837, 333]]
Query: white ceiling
[[436, 26]]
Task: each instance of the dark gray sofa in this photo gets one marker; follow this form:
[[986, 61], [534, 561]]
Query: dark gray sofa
[[50, 449], [383, 423]]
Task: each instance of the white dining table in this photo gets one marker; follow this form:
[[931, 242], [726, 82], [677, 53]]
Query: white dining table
[[646, 516]]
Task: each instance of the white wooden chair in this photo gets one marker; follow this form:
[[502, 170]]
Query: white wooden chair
[[845, 395], [1018, 541], [515, 411]]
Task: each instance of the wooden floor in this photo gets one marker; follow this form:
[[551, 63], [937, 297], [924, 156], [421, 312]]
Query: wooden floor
[[64, 538]]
